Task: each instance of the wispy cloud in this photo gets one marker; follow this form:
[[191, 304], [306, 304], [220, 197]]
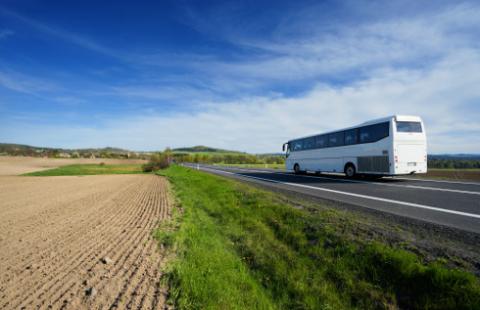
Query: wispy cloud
[[26, 84], [4, 33], [425, 63], [402, 41], [441, 96], [62, 34]]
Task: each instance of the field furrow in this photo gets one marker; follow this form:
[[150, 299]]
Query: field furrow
[[81, 242]]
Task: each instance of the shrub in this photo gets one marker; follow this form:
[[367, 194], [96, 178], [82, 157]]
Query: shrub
[[158, 161]]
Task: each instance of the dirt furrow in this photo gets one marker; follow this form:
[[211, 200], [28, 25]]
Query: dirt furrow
[[74, 259], [92, 251], [116, 253], [133, 258], [89, 256]]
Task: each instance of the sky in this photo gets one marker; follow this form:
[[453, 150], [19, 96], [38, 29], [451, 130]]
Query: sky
[[248, 76]]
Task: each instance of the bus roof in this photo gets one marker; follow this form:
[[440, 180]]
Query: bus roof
[[403, 118]]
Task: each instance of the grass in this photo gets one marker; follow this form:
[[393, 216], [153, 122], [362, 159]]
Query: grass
[[242, 248], [269, 166], [89, 169]]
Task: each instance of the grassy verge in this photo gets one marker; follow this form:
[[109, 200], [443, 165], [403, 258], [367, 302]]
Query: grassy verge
[[89, 169], [239, 247], [268, 166]]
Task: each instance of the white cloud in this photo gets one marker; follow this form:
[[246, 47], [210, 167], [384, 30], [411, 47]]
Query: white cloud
[[427, 65], [406, 41], [440, 96], [62, 34], [25, 84]]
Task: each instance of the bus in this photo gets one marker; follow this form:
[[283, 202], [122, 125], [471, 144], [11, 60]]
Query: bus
[[394, 145]]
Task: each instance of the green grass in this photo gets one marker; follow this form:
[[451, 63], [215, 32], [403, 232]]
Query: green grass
[[89, 169], [269, 166], [242, 248]]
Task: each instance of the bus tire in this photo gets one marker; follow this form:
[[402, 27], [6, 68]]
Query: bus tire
[[350, 170], [296, 169]]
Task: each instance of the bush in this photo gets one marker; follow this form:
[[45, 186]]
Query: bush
[[158, 161]]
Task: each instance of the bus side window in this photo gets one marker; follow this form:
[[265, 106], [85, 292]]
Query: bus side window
[[350, 136], [336, 139], [297, 145], [373, 133], [308, 143], [364, 135], [321, 141]]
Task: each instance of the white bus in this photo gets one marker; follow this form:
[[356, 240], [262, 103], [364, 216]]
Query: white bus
[[394, 145]]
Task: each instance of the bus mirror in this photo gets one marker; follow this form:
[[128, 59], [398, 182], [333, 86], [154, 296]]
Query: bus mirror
[[283, 147]]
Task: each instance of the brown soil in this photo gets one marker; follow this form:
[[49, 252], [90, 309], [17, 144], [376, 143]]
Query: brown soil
[[15, 165], [457, 174], [81, 242]]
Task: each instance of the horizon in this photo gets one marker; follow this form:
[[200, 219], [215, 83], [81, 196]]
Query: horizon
[[203, 146], [244, 77]]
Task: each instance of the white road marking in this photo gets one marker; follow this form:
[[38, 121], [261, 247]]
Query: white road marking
[[392, 185], [367, 182], [398, 202]]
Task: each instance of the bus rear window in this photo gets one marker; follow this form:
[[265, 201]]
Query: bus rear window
[[409, 127]]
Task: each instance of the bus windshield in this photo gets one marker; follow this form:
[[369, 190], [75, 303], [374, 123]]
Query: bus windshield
[[409, 127]]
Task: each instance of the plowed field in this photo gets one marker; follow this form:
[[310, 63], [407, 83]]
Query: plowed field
[[15, 165], [81, 242]]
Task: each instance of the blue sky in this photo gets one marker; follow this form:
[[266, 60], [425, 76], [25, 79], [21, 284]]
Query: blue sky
[[245, 76]]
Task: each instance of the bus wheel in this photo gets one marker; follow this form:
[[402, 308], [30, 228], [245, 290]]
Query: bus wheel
[[350, 170], [296, 169]]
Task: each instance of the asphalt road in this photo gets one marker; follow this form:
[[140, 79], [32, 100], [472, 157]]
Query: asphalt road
[[451, 203]]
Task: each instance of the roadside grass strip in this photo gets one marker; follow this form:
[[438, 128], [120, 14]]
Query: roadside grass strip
[[89, 169], [238, 247]]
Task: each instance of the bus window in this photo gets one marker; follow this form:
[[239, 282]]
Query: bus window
[[336, 139], [297, 145], [308, 143], [409, 127], [321, 141], [351, 136], [373, 133]]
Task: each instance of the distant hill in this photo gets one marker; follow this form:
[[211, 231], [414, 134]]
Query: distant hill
[[204, 149], [28, 150]]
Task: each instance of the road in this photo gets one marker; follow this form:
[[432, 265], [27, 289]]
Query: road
[[450, 203]]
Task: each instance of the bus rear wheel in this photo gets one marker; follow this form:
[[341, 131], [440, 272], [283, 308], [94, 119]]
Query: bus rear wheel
[[350, 170], [296, 169]]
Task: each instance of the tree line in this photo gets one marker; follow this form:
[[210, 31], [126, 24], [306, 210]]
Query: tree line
[[454, 163], [205, 158]]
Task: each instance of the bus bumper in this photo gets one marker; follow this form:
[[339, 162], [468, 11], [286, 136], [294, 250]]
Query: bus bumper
[[409, 168]]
